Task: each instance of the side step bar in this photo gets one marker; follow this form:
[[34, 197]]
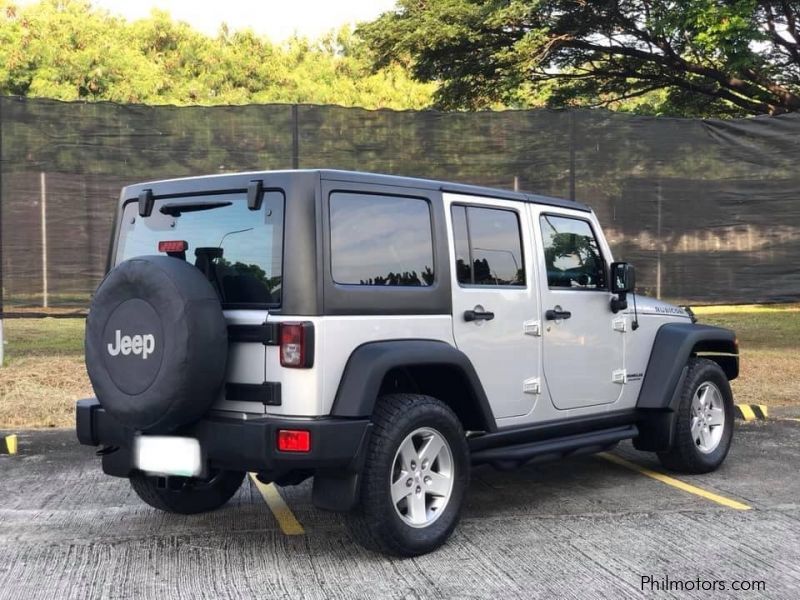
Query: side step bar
[[556, 448]]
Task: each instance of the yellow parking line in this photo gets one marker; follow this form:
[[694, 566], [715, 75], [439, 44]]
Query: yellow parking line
[[676, 483], [283, 514]]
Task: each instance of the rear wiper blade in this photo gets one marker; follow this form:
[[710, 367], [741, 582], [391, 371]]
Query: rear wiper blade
[[178, 208]]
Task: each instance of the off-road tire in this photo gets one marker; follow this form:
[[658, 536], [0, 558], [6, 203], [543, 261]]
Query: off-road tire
[[375, 523], [195, 496], [684, 456]]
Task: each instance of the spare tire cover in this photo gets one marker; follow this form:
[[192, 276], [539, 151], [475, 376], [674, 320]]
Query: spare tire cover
[[156, 343]]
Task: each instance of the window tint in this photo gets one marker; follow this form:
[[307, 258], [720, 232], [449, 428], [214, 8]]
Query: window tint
[[239, 250], [488, 246], [571, 254], [380, 240]]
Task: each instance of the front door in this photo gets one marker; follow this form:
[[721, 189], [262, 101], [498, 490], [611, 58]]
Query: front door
[[583, 339], [494, 295]]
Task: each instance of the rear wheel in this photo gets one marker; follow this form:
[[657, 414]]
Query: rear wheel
[[414, 479], [704, 428], [185, 495]]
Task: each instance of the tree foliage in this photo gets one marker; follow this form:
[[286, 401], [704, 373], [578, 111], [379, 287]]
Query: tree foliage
[[693, 57], [68, 50]]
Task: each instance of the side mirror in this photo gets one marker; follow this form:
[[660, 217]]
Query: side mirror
[[623, 280]]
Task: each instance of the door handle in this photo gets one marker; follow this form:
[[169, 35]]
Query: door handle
[[556, 314], [478, 315]]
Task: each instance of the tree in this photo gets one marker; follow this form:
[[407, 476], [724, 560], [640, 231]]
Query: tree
[[69, 50], [695, 57]]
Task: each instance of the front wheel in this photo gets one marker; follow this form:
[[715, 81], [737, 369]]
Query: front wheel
[[415, 477], [704, 428]]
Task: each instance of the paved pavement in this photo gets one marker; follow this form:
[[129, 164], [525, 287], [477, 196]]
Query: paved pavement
[[582, 528]]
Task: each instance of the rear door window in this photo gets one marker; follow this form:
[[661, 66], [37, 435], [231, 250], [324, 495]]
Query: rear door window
[[381, 240], [488, 246], [239, 250]]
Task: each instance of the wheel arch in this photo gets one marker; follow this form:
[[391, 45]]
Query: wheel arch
[[429, 367], [673, 346]]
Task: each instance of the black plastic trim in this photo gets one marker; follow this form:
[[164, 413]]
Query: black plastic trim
[[556, 448], [234, 443], [255, 194], [552, 429], [267, 393], [673, 345], [369, 363], [146, 201]]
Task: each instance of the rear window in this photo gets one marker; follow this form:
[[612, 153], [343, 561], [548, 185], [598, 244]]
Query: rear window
[[239, 250], [381, 240]]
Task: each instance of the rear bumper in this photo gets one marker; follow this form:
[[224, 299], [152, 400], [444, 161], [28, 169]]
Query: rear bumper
[[235, 444]]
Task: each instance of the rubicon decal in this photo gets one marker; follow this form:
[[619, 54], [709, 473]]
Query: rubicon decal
[[137, 344]]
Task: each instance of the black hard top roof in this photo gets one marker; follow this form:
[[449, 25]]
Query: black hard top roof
[[368, 178]]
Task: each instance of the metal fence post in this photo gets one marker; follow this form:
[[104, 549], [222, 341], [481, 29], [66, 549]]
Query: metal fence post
[[295, 138], [658, 239], [2, 290], [571, 114], [43, 203]]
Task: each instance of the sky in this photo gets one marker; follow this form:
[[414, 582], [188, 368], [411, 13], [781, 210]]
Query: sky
[[276, 19]]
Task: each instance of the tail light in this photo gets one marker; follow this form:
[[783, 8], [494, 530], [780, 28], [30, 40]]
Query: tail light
[[297, 345], [294, 440]]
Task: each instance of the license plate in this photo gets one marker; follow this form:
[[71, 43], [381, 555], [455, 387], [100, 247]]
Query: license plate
[[168, 455]]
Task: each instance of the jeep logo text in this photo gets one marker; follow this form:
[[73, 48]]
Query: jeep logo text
[[138, 344]]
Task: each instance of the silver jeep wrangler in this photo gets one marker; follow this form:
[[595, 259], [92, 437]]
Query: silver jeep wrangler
[[380, 334]]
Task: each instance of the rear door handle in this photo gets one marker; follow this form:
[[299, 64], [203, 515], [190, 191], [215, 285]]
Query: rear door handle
[[557, 314], [478, 315]]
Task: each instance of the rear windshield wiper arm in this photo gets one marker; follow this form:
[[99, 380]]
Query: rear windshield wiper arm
[[178, 208]]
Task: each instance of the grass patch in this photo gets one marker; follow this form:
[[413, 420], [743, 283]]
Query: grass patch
[[26, 338], [44, 372], [769, 346]]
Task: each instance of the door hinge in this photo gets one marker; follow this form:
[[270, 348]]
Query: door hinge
[[533, 328], [620, 324], [619, 376], [532, 386], [266, 333]]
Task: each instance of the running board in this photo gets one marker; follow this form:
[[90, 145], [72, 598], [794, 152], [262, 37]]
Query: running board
[[556, 448]]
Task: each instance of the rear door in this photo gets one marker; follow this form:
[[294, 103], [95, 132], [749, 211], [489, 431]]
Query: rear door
[[239, 250], [495, 302], [583, 351]]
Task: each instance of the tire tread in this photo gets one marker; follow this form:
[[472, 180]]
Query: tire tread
[[368, 523], [187, 502], [684, 457]]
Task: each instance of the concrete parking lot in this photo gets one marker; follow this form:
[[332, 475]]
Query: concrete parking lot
[[582, 528]]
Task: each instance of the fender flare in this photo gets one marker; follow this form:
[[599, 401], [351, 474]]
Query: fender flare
[[673, 345], [369, 363]]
